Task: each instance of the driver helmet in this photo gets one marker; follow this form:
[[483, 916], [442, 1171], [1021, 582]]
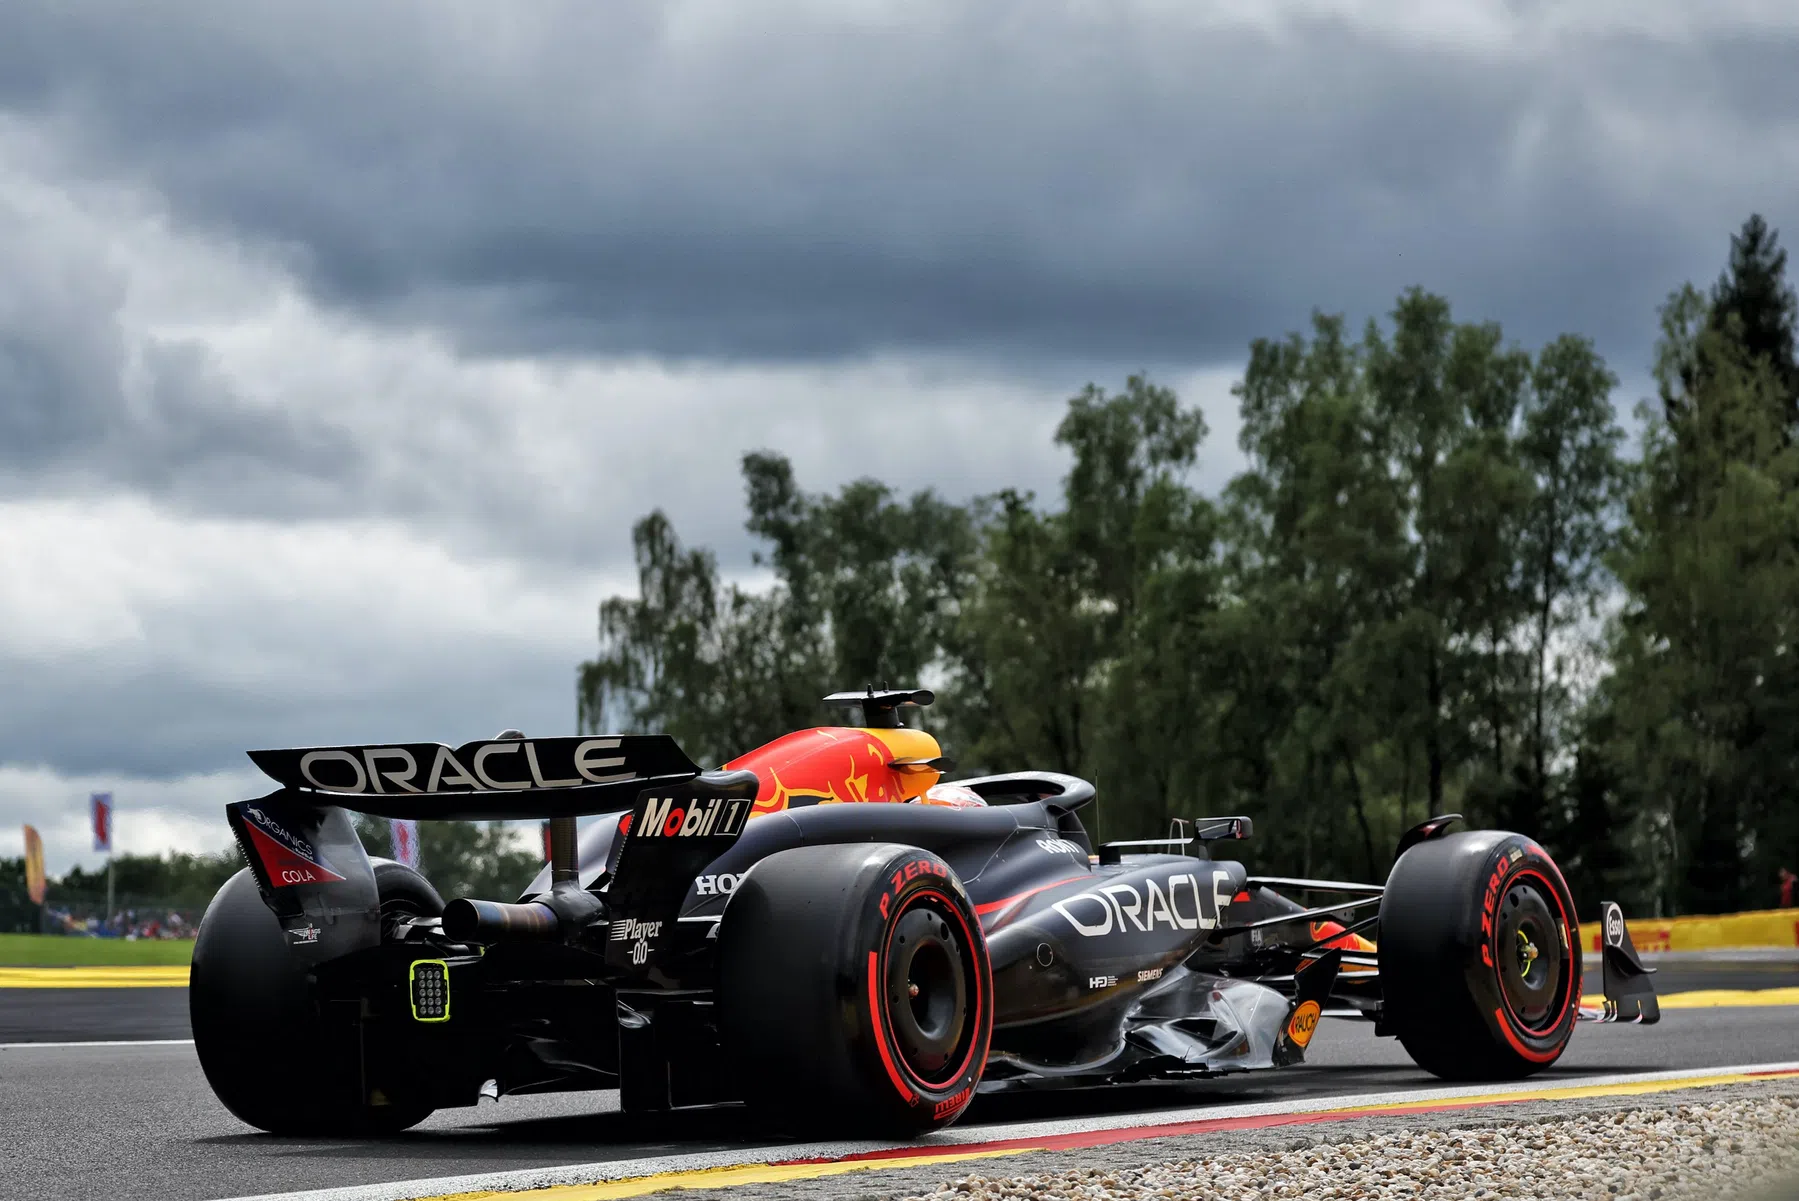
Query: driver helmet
[[953, 796]]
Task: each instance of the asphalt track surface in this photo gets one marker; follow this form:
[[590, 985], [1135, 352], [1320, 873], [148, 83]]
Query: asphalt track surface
[[106, 1014], [140, 1122]]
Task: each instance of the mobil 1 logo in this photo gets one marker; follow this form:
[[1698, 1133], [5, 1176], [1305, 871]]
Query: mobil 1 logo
[[689, 817], [667, 843]]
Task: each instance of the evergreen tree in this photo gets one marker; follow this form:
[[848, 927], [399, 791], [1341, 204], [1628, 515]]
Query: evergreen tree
[[1754, 306], [1705, 691]]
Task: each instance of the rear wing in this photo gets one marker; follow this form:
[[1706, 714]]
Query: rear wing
[[494, 780], [310, 866]]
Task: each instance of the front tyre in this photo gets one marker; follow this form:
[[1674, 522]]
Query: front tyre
[[1479, 956], [855, 992]]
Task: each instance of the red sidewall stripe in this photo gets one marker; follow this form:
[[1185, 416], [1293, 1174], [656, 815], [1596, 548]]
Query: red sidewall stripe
[[1570, 990], [1505, 1028], [883, 1023], [877, 1015]]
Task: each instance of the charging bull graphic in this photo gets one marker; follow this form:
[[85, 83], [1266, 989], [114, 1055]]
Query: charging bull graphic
[[838, 765]]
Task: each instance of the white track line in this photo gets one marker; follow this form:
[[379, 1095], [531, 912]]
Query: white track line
[[624, 1169], [1723, 955], [136, 1042]]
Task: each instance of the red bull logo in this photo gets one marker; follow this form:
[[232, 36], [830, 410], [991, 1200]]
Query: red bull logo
[[839, 765]]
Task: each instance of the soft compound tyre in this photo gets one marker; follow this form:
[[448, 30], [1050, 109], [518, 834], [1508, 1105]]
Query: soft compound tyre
[[855, 993], [1479, 956], [250, 1008]]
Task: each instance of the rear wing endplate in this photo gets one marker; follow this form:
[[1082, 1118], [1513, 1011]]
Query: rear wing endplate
[[311, 870]]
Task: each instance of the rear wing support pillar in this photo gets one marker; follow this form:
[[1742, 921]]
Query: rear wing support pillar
[[565, 857]]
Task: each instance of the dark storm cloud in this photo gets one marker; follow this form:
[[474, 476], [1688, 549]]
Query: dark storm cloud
[[1012, 181], [161, 720], [79, 411], [187, 436], [191, 419]]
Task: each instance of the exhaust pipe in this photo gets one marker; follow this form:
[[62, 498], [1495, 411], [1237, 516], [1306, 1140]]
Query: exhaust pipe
[[468, 920], [570, 910], [564, 915], [492, 921]]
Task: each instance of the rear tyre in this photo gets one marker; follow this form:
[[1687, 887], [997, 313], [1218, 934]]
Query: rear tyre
[[1479, 956], [251, 1009], [855, 992], [404, 894]]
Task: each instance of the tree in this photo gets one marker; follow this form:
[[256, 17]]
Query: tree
[[874, 581], [1754, 307], [1318, 574], [1028, 652], [1061, 657], [177, 879], [1445, 397], [1705, 692], [718, 668], [485, 860], [1395, 610], [1569, 449], [18, 915], [1420, 521], [866, 590]]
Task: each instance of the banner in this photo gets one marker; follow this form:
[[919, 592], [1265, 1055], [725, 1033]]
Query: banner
[[546, 843], [100, 804], [34, 866], [1711, 932], [406, 841]]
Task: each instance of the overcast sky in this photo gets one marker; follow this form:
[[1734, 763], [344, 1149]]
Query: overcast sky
[[341, 344]]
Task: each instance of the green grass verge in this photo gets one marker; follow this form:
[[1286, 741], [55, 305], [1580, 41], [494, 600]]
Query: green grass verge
[[55, 950]]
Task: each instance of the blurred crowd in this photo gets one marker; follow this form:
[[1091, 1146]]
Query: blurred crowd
[[130, 924]]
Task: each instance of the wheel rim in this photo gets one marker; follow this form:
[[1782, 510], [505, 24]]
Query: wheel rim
[[1528, 956], [927, 992]]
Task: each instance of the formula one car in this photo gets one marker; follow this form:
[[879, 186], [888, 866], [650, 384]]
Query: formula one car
[[824, 930]]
